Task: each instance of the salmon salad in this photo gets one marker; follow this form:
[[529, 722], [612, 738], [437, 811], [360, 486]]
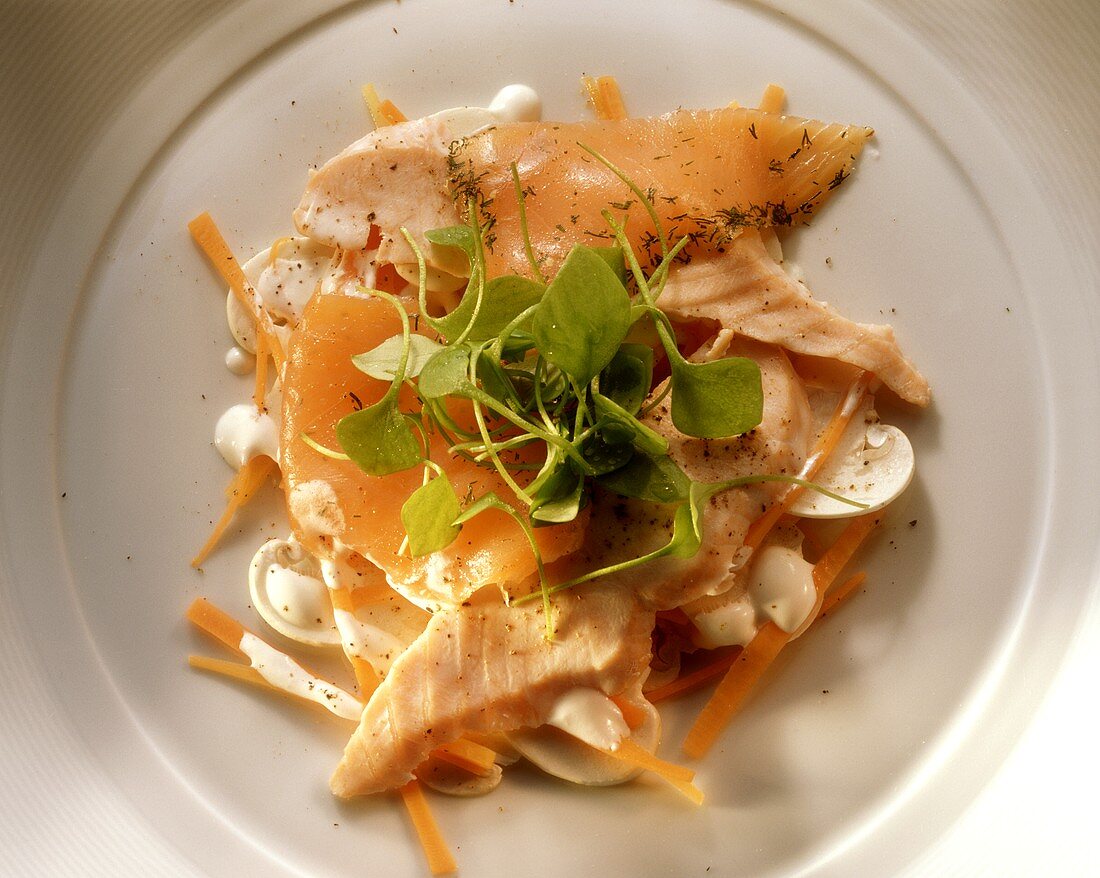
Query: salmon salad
[[561, 437]]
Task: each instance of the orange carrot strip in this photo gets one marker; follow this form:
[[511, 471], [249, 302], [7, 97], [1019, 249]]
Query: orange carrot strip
[[677, 776], [228, 631], [772, 99], [842, 593], [632, 713], [828, 568], [382, 112], [765, 646], [393, 114], [604, 95], [217, 623], [210, 240], [694, 680], [435, 847], [365, 674], [239, 491], [374, 106], [847, 407], [731, 693], [276, 246], [226, 668], [259, 392], [467, 755]]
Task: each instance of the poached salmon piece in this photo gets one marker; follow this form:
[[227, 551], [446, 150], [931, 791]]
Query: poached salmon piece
[[748, 292], [622, 528], [487, 668]]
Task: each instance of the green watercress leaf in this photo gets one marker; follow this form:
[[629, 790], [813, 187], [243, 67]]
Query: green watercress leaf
[[382, 362], [505, 299], [655, 478], [604, 457], [716, 399], [613, 256], [583, 317], [428, 517], [628, 377], [560, 497], [616, 420], [378, 439], [446, 373], [461, 238]]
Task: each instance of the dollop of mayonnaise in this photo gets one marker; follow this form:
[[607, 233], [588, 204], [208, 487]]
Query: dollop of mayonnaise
[[239, 361], [590, 716], [282, 672], [780, 590], [244, 432]]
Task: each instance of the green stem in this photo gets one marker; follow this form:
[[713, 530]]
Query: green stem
[[521, 200]]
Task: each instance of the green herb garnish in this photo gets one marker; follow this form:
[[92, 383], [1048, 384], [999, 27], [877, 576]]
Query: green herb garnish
[[557, 391]]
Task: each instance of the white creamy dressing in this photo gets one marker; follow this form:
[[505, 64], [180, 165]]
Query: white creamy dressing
[[285, 287], [590, 716], [282, 672], [780, 590], [244, 432], [289, 594], [239, 361], [369, 642], [377, 647]]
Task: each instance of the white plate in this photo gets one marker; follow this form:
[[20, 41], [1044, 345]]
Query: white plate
[[873, 736]]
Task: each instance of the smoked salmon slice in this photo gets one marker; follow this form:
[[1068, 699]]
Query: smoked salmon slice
[[710, 173], [333, 500]]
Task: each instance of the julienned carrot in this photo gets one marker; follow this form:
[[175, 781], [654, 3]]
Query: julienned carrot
[[731, 693], [217, 623], [837, 556], [757, 657], [382, 112], [231, 633], [847, 407], [239, 491], [632, 713], [694, 680], [276, 246], [365, 674], [392, 113], [440, 860], [677, 776], [226, 668], [841, 594], [772, 99], [605, 97], [207, 236], [259, 392], [467, 755]]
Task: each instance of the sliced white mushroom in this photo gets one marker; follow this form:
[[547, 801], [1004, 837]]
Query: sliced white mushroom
[[285, 285], [873, 463], [565, 755], [445, 778], [290, 595]]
